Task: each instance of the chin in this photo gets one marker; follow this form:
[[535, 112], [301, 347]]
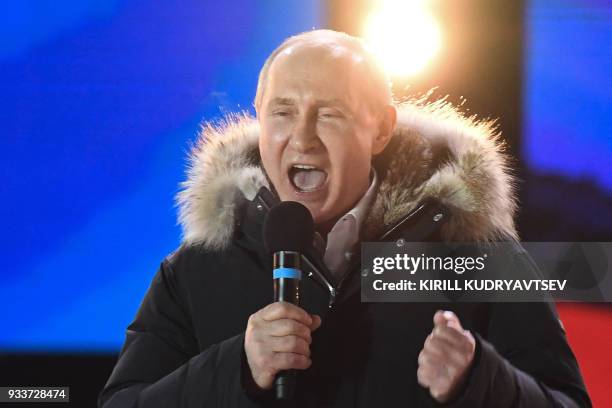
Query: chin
[[319, 215], [315, 210]]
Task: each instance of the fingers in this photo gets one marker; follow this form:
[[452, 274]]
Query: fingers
[[290, 344], [442, 350], [278, 337], [430, 374], [425, 375], [435, 373], [289, 327], [286, 310], [450, 334], [290, 361], [285, 321]]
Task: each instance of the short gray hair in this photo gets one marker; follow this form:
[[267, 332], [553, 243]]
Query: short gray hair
[[377, 82]]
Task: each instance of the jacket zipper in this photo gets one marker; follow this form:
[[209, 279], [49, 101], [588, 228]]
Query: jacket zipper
[[334, 291], [330, 286]]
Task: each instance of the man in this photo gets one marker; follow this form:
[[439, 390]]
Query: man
[[328, 135]]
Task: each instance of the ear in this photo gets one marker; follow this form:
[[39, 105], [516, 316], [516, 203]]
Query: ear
[[385, 130]]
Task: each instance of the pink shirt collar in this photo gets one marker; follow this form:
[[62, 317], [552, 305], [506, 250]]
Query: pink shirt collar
[[345, 233]]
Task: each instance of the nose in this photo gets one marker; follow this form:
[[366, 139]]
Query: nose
[[304, 138]]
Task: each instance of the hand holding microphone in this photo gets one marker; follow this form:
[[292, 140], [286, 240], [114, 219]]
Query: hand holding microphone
[[278, 337]]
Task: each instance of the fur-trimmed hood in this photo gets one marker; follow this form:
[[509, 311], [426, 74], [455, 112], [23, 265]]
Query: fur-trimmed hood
[[435, 152]]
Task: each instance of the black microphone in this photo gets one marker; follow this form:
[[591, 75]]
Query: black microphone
[[288, 232]]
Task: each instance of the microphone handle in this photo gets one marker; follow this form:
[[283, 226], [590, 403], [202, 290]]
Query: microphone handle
[[286, 289]]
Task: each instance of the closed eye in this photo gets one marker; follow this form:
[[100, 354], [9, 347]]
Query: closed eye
[[330, 114], [281, 113]]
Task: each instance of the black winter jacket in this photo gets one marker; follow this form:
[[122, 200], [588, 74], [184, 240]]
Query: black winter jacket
[[442, 177]]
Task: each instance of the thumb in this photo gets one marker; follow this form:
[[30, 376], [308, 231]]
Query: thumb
[[439, 319], [453, 321], [447, 318]]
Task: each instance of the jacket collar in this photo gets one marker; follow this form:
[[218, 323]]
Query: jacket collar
[[435, 153]]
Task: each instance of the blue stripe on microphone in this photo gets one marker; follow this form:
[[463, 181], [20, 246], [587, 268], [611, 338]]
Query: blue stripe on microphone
[[291, 273]]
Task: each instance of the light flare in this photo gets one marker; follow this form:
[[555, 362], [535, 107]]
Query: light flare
[[404, 36]]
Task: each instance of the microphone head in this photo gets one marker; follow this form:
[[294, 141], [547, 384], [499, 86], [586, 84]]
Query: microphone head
[[288, 227]]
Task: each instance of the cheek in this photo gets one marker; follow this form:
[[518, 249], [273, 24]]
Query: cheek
[[271, 145], [348, 153]]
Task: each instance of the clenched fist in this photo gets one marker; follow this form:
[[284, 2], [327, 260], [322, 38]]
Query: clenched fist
[[278, 338], [446, 357]]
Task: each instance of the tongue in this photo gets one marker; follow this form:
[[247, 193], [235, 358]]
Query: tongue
[[308, 180]]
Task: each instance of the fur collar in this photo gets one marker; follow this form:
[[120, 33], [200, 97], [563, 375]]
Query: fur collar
[[435, 152]]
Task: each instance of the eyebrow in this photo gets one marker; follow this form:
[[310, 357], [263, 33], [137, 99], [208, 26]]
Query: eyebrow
[[282, 102]]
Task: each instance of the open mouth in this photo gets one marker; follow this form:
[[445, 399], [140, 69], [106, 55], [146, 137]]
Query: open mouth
[[306, 178]]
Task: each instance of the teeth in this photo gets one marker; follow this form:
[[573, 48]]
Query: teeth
[[304, 166]]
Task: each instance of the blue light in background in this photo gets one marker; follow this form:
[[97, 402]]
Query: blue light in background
[[568, 89], [99, 103]]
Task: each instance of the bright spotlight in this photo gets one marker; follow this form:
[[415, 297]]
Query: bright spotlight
[[404, 36]]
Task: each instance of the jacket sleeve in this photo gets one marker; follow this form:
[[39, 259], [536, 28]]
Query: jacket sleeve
[[160, 364], [525, 360]]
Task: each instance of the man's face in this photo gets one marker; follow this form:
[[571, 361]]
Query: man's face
[[317, 131]]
